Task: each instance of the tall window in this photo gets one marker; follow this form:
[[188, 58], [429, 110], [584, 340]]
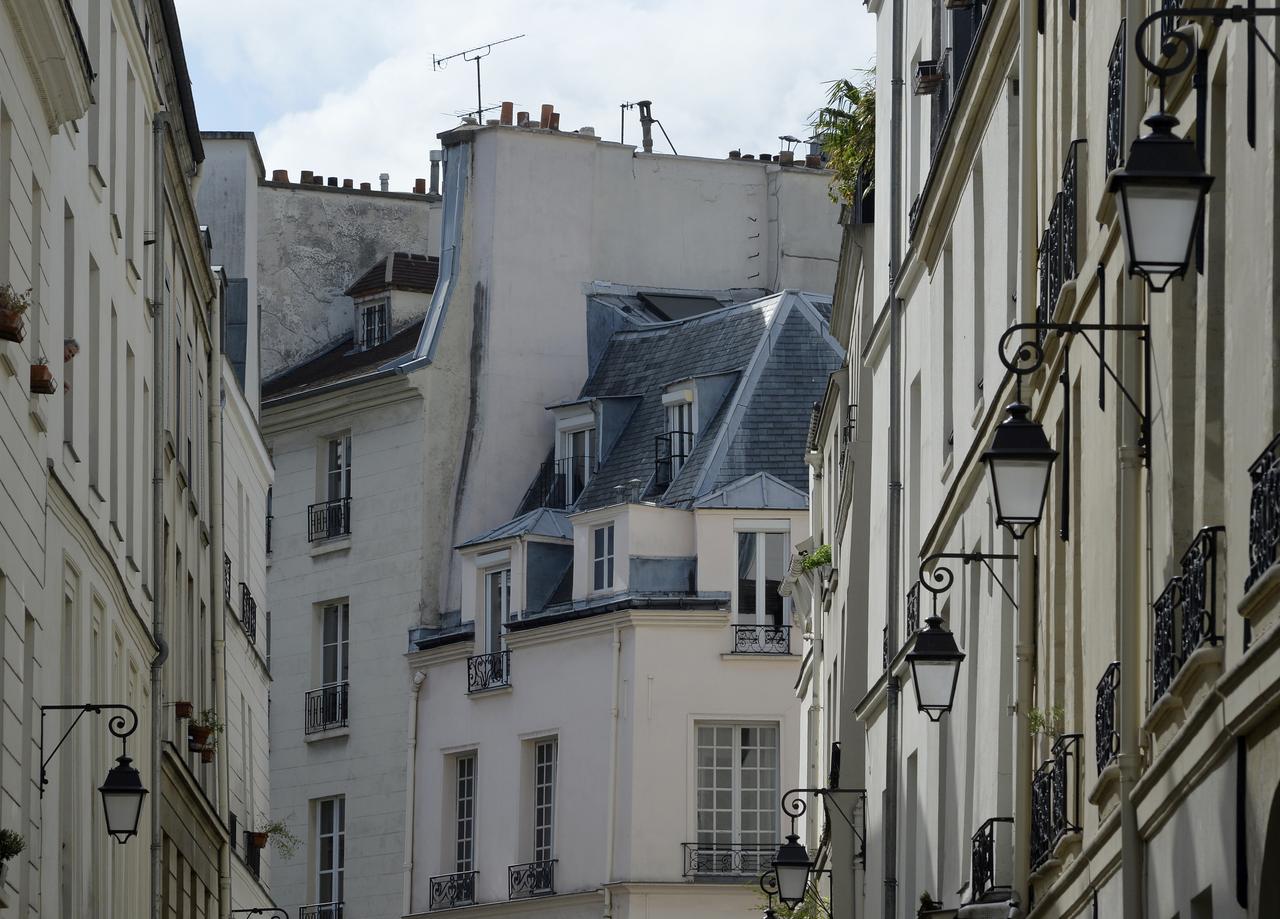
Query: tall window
[[574, 463], [680, 430], [465, 811], [331, 825], [738, 789], [544, 799], [334, 644], [338, 478], [497, 605], [762, 562], [602, 557], [373, 325]]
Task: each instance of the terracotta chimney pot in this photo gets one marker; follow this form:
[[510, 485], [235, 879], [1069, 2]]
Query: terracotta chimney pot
[[419, 186], [507, 108], [307, 176], [545, 120], [522, 119], [365, 186], [280, 175], [347, 183], [555, 121]]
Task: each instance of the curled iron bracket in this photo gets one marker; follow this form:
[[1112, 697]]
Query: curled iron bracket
[[270, 912], [120, 725], [939, 578], [794, 806]]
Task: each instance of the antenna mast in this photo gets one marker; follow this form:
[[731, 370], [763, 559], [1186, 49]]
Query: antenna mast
[[477, 54]]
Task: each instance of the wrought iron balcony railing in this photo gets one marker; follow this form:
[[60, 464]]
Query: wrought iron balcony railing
[[488, 671], [762, 639], [727, 859], [559, 483], [913, 609], [326, 707], [1115, 101], [992, 845], [270, 518], [248, 613], [1057, 257], [1264, 512], [226, 578], [1055, 798], [1186, 612], [450, 890], [320, 911], [534, 879], [329, 519], [670, 452], [1106, 736]]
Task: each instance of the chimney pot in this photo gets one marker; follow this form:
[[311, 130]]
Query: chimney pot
[[813, 161], [384, 181], [522, 119], [555, 121], [307, 176], [490, 122], [419, 186], [333, 181], [735, 154], [507, 108], [280, 175], [318, 180], [786, 157], [587, 131], [545, 119], [749, 156], [365, 186], [347, 183], [766, 157]]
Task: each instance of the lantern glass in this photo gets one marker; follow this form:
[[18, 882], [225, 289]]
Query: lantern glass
[[792, 865], [1159, 221], [1020, 485], [122, 797], [935, 682]]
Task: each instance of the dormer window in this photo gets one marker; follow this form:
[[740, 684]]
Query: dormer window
[[676, 443], [575, 457], [371, 325]]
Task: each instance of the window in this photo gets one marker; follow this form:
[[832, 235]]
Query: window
[[737, 782], [680, 433], [762, 562], [497, 605], [334, 644], [338, 477], [372, 329], [544, 799], [573, 466], [602, 557], [465, 812], [331, 823]]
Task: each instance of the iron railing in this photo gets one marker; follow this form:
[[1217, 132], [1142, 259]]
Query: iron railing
[[762, 639], [1115, 102], [670, 452], [329, 519], [533, 879], [930, 76], [248, 613], [320, 911], [1055, 798], [270, 518], [252, 856], [884, 649], [1167, 24], [326, 708], [983, 864], [1186, 612], [1264, 512], [913, 609], [1057, 256], [1106, 736], [559, 483], [488, 671], [727, 859], [226, 578], [450, 890]]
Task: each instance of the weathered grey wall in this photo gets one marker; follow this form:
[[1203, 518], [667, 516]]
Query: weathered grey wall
[[313, 241]]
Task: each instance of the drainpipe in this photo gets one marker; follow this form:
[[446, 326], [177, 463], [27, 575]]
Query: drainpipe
[[1025, 639], [893, 548], [412, 768], [1130, 643], [613, 774], [217, 540]]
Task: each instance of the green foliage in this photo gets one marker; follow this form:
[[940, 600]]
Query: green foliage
[[814, 906], [817, 558], [11, 843], [280, 835], [846, 126], [10, 299], [209, 719], [1048, 722]]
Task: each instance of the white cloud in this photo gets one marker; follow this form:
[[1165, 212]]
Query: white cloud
[[352, 90]]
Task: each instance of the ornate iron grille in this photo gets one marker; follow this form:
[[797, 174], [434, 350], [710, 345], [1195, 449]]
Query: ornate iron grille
[[1115, 101], [1107, 737], [1055, 798], [762, 639], [1164, 655], [534, 879], [1185, 612], [558, 483], [670, 452], [913, 609], [983, 862], [270, 518], [326, 708], [1057, 258], [329, 519], [1264, 512], [722, 859], [884, 653], [1166, 25], [913, 217], [1041, 813], [226, 578], [248, 613], [320, 911], [450, 890], [488, 671]]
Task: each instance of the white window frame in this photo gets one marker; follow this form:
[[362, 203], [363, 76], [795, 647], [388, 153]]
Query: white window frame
[[342, 644], [464, 811], [603, 562], [761, 530], [546, 756], [337, 458], [376, 308], [680, 417], [336, 836], [494, 629], [765, 807], [566, 453]]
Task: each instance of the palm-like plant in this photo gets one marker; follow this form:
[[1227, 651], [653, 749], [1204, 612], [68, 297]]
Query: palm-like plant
[[846, 127]]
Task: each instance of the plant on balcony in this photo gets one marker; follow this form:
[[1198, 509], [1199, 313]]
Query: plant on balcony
[[11, 843], [846, 126], [278, 833], [818, 558], [12, 307], [42, 378], [203, 732], [1047, 722]]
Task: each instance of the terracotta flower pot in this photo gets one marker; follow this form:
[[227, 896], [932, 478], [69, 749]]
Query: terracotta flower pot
[[197, 737], [42, 380], [183, 709], [12, 328], [206, 755], [258, 840]]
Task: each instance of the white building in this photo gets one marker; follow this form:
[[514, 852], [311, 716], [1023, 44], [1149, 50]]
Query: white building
[[607, 727]]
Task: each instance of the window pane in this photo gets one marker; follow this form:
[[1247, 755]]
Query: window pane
[[775, 555], [747, 577]]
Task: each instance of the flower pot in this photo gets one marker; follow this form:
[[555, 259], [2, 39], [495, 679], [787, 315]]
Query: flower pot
[[197, 737], [258, 840], [206, 755], [183, 709], [4, 897], [42, 380], [12, 328]]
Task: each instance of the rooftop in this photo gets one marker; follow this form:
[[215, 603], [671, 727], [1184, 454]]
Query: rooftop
[[398, 271]]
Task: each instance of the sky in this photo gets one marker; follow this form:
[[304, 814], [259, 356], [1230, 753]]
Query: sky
[[348, 89]]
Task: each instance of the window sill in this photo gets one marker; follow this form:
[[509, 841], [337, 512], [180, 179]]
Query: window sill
[[504, 690], [330, 734], [790, 657], [329, 546]]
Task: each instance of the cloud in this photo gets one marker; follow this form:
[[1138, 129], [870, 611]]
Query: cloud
[[348, 89]]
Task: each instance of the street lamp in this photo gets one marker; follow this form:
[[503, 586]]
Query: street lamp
[[935, 668], [1160, 193], [792, 865], [1019, 461], [122, 796]]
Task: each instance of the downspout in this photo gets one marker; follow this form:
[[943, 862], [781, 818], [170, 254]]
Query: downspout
[[613, 775], [159, 340], [412, 768], [217, 541], [893, 549], [1130, 643], [1025, 640]]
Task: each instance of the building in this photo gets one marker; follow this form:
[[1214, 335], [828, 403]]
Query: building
[[391, 451], [606, 723], [110, 518], [1109, 749]]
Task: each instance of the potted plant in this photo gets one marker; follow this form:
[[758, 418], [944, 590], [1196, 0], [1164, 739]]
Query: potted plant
[[202, 733], [183, 709], [1047, 722], [11, 843], [278, 832], [12, 307], [42, 378], [817, 559], [206, 755]]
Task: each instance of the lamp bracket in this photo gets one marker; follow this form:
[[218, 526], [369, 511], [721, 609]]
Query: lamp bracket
[[939, 578], [120, 725], [270, 912], [794, 806]]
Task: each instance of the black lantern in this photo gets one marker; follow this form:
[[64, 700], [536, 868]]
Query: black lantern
[[792, 866], [1019, 461], [935, 669], [122, 795], [1160, 195]]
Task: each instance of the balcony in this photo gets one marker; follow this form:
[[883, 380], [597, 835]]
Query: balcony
[[329, 520], [1055, 798], [1264, 512], [913, 609], [1107, 737], [762, 639], [226, 578], [559, 483], [670, 452], [488, 671], [320, 911], [270, 519], [326, 708], [450, 890], [534, 879], [248, 613], [1186, 612], [930, 77], [990, 866], [1115, 102], [727, 859], [1058, 243]]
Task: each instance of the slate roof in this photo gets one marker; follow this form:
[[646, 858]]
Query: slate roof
[[405, 271], [339, 362], [539, 522]]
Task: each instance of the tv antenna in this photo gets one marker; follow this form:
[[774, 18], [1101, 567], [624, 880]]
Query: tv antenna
[[477, 54]]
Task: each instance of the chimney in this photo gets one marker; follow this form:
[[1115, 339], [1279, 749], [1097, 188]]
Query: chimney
[[507, 108], [545, 120], [280, 175], [491, 122], [813, 161], [766, 157], [419, 186], [365, 186], [384, 181], [646, 124], [522, 119], [333, 181], [436, 157], [735, 154], [307, 176], [786, 157], [318, 180], [555, 121], [347, 183]]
